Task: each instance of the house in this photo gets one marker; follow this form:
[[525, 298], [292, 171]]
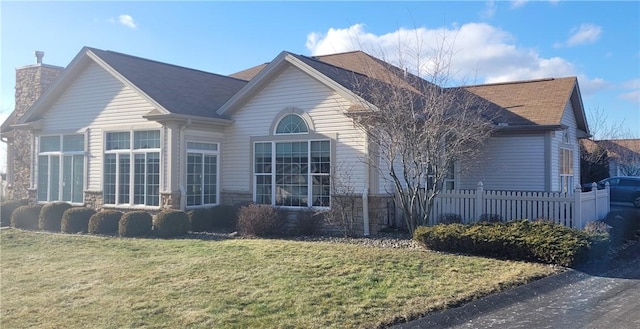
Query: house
[[114, 130], [624, 156]]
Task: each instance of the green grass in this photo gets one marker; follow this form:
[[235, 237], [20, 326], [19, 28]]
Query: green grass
[[72, 281]]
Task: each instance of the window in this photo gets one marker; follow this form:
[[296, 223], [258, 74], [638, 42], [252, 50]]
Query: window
[[449, 179], [61, 168], [566, 170], [294, 174], [202, 174], [132, 174], [292, 124]]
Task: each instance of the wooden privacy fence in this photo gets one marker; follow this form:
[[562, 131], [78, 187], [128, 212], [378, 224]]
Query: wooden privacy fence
[[570, 209]]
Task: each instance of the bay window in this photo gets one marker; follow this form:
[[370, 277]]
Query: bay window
[[60, 170], [132, 168]]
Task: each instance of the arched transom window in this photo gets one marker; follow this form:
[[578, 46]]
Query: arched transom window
[[292, 124]]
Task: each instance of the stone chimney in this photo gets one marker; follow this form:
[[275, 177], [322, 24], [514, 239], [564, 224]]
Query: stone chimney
[[31, 82]]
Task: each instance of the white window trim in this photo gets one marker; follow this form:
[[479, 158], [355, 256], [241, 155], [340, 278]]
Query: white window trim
[[61, 154], [132, 152], [203, 152], [273, 170]]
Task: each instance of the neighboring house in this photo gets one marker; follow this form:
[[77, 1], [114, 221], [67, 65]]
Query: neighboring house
[[119, 131], [624, 156]]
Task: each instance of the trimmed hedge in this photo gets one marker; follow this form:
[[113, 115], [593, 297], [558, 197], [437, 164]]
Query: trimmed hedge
[[105, 222], [170, 223], [259, 220], [517, 240], [26, 217], [6, 209], [200, 219], [224, 216], [51, 216], [76, 220], [135, 224]]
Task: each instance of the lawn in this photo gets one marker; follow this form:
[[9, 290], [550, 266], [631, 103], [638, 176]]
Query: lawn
[[72, 281]]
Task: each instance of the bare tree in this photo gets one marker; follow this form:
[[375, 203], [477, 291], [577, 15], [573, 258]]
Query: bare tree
[[420, 128], [612, 144], [342, 214]]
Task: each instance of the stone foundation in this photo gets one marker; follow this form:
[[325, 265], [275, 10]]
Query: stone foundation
[[170, 200], [93, 199], [236, 198]]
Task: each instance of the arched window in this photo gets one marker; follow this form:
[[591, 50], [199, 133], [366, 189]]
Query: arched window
[[292, 124]]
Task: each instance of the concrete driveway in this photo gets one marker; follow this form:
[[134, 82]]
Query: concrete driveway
[[605, 294]]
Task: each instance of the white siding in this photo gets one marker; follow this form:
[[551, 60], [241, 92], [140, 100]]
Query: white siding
[[292, 88], [569, 120], [97, 102], [514, 163]]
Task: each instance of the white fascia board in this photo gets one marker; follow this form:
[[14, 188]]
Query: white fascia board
[[270, 71]]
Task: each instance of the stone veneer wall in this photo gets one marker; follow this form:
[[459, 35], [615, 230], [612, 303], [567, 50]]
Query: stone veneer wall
[[31, 82]]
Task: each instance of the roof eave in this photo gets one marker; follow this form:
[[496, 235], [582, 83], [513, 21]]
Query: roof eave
[[528, 128], [163, 118]]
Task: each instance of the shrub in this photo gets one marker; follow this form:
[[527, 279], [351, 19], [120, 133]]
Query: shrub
[[135, 223], [51, 216], [259, 220], [6, 209], [624, 226], [596, 227], [518, 240], [171, 223], [491, 218], [224, 216], [104, 222], [200, 219], [449, 219], [308, 223], [26, 217], [76, 220]]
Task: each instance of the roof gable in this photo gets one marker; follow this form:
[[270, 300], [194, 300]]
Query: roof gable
[[536, 102], [171, 89], [336, 80]]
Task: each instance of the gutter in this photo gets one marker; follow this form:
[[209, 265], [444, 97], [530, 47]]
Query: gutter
[[365, 193]]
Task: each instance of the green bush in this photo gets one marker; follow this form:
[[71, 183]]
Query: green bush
[[201, 220], [308, 223], [259, 220], [76, 220], [51, 216], [171, 223], [26, 217], [104, 222], [517, 240], [135, 223], [449, 219], [6, 209], [491, 218], [224, 216]]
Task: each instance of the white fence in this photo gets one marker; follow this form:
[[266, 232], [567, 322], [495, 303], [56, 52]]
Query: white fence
[[569, 209]]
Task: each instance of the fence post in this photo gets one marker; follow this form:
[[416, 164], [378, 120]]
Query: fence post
[[577, 206], [608, 201], [479, 202]]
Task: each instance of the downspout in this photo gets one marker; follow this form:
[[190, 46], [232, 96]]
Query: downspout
[[365, 192], [181, 141]]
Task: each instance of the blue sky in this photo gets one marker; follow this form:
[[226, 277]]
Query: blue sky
[[599, 42]]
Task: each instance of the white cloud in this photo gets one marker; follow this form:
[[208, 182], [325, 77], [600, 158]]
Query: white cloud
[[634, 94], [518, 3], [584, 34], [489, 10], [125, 20], [482, 53]]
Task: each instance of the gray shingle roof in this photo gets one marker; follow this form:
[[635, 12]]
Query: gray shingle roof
[[178, 89]]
